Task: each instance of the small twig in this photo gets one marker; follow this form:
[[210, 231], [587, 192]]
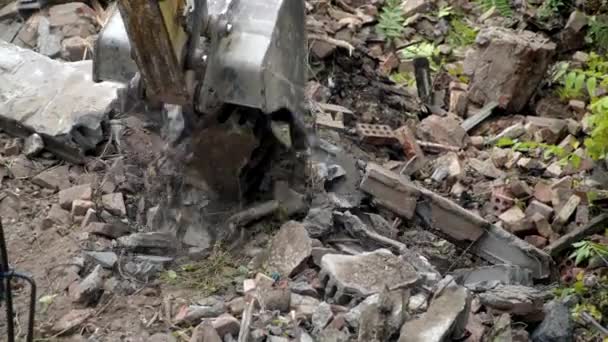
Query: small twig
[[339, 43]]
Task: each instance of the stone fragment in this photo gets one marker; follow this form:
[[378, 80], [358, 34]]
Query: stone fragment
[[563, 215], [382, 319], [555, 170], [33, 145], [514, 220], [90, 216], [486, 168], [572, 36], [54, 179], [226, 324], [104, 259], [543, 192], [79, 192], [552, 130], [519, 188], [390, 190], [80, 207], [322, 49], [552, 107], [274, 299], [514, 299], [537, 207], [441, 130], [108, 230], [73, 319], [536, 241], [289, 249], [557, 325], [500, 156], [482, 278], [56, 216], [322, 316], [12, 148], [303, 305], [319, 222], [21, 167], [74, 49], [447, 314], [291, 202], [364, 274], [88, 291], [49, 44], [149, 242], [502, 71], [115, 204], [448, 168], [355, 316], [303, 288], [514, 160], [543, 226], [418, 303], [73, 19], [193, 314], [582, 215], [458, 102], [512, 132], [160, 337], [531, 164]]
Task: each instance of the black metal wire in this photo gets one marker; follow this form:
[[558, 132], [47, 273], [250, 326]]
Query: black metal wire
[[10, 332], [32, 313]]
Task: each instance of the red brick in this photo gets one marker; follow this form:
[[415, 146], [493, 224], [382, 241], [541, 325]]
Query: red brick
[[376, 134]]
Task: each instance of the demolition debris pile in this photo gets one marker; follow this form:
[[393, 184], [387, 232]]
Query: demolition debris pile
[[456, 190]]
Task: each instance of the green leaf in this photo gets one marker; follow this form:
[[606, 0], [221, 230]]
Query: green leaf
[[592, 86], [171, 274], [505, 142]]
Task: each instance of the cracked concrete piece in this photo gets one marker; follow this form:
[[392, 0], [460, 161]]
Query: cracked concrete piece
[[490, 276], [364, 274], [59, 101], [509, 67], [449, 310], [290, 248], [514, 299], [390, 190]]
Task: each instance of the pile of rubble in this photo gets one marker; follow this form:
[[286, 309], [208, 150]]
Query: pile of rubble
[[431, 213]]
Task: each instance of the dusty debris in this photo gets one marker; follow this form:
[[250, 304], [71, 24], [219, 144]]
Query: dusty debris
[[88, 291], [80, 207], [289, 249], [362, 275], [504, 76], [55, 178], [72, 320], [56, 216]]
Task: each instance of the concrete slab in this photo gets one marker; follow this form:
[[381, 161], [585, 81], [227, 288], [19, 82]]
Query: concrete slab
[[57, 100]]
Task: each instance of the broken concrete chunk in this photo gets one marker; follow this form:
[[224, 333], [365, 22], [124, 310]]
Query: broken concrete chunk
[[502, 72], [553, 130], [514, 299], [74, 49], [322, 316], [88, 291], [226, 324], [303, 305], [390, 190], [558, 325], [480, 278], [104, 259], [441, 130], [149, 242], [188, 315], [290, 247], [514, 220], [90, 216], [447, 314], [536, 207], [79, 192], [108, 230], [21, 167], [319, 222], [55, 179], [33, 145], [543, 192], [37, 102], [80, 207], [114, 204], [512, 132], [447, 167], [56, 216], [567, 210], [552, 107], [365, 274], [486, 168]]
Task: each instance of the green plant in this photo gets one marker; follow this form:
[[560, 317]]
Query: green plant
[[461, 34], [445, 12], [597, 34], [502, 6], [584, 250], [549, 151], [390, 22], [423, 49], [550, 8], [597, 142], [403, 78], [572, 87]]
